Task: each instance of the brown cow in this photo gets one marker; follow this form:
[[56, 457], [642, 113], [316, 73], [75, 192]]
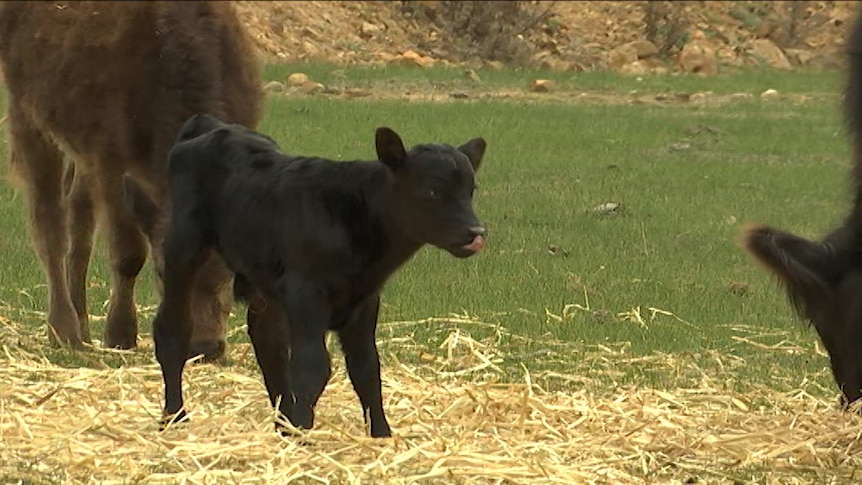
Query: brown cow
[[823, 279], [97, 94]]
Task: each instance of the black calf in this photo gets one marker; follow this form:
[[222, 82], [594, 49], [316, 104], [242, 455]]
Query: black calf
[[312, 242]]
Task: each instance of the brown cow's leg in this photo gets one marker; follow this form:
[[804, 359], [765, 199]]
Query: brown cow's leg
[[212, 301], [39, 163], [81, 227], [128, 252]]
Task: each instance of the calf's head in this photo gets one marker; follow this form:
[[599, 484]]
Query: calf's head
[[432, 192]]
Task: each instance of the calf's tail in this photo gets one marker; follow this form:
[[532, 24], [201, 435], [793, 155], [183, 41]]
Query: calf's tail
[[808, 270]]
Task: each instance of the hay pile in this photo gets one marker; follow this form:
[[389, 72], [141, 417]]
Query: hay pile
[[87, 425]]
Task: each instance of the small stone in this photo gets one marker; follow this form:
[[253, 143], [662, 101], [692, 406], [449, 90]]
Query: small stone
[[697, 98], [541, 85], [741, 96], [312, 87], [309, 48], [769, 95], [622, 55], [386, 57], [698, 58], [297, 79], [766, 52], [273, 87], [606, 208], [634, 68], [413, 58], [799, 57], [368, 29]]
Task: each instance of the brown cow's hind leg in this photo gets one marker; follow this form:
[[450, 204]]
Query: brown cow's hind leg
[[39, 164], [81, 228]]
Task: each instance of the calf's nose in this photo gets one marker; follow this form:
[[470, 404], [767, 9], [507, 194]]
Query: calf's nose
[[478, 231]]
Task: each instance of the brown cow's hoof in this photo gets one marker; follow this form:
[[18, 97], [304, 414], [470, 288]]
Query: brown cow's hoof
[[120, 340], [213, 351], [71, 342]]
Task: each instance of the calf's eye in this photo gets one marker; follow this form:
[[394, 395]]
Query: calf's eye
[[429, 193]]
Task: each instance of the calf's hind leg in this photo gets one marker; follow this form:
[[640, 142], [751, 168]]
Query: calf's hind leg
[[184, 254], [39, 163]]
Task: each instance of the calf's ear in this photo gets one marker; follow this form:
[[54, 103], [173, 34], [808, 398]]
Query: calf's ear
[[474, 149], [390, 149]]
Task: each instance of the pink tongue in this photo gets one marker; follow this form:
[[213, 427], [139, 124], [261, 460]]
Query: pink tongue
[[477, 244]]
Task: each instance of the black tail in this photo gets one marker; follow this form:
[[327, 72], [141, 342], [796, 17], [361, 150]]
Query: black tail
[[809, 270]]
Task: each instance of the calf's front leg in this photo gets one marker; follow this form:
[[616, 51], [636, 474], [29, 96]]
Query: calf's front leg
[[363, 364]]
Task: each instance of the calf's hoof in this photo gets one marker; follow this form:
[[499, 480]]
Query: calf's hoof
[[170, 420], [382, 432], [212, 350]]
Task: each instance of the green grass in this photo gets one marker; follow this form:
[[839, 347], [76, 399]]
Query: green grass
[[672, 247], [753, 81]]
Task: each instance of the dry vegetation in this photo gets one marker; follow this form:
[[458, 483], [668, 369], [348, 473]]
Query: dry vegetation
[[459, 425]]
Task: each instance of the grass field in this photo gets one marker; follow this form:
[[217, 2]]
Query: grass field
[[660, 287]]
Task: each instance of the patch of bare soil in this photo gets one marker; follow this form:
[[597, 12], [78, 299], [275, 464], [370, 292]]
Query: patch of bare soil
[[633, 37]]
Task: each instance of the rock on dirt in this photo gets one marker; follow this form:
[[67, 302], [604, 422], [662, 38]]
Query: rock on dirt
[[698, 98], [541, 85], [636, 68], [413, 59], [297, 79], [608, 208], [627, 54], [765, 52], [274, 87], [698, 58], [770, 95], [312, 87], [369, 30]]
